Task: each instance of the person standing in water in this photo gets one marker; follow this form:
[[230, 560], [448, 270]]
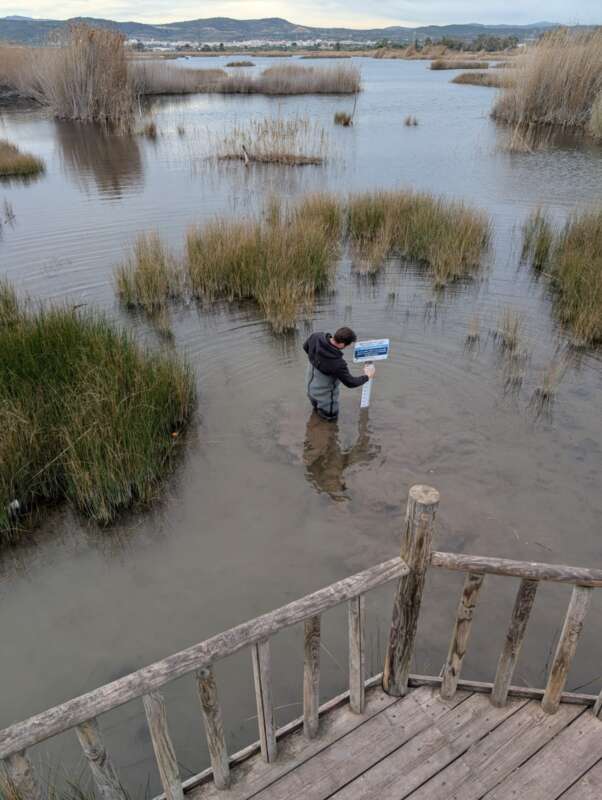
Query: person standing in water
[[327, 369]]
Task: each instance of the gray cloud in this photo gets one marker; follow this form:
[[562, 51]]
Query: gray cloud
[[353, 13]]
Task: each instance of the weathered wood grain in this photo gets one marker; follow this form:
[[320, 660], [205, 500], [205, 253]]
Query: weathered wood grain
[[262, 674], [532, 570], [148, 679], [311, 677], [557, 766], [523, 604], [156, 716], [461, 634], [357, 658], [589, 787], [214, 727], [423, 502], [102, 768], [21, 777], [566, 647]]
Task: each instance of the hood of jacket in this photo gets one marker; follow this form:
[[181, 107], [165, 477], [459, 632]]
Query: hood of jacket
[[323, 355]]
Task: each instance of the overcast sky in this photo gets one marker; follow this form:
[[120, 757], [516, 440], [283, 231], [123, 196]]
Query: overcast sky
[[347, 13]]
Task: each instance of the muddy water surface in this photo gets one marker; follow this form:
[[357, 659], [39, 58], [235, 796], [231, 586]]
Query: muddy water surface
[[268, 504]]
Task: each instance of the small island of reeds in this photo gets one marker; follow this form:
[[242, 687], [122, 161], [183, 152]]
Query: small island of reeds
[[456, 63], [86, 415], [15, 164], [494, 80]]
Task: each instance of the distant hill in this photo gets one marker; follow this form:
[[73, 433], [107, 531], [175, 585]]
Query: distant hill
[[223, 29]]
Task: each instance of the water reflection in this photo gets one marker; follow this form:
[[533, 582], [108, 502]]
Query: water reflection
[[91, 152], [326, 461]]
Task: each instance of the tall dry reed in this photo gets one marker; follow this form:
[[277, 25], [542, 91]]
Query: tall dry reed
[[557, 81], [161, 78], [285, 79], [291, 141], [441, 63]]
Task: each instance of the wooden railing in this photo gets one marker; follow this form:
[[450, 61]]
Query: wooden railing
[[81, 713]]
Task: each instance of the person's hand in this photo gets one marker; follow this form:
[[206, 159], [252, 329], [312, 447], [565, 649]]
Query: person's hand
[[369, 370]]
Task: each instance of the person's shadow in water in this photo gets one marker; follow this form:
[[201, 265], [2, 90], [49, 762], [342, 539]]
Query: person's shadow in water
[[326, 461]]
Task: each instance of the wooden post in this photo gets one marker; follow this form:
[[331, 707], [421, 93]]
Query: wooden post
[[514, 639], [567, 645], [21, 777], [104, 773], [311, 677], [415, 551], [262, 673], [214, 727], [357, 667], [461, 634], [156, 715], [598, 705]]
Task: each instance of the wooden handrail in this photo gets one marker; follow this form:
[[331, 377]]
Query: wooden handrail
[[531, 570], [149, 679]]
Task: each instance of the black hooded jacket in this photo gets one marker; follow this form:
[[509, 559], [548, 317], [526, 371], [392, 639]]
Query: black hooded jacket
[[329, 360]]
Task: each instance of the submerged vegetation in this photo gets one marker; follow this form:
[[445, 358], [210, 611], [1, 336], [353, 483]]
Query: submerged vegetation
[[86, 415], [572, 258], [446, 236], [14, 163], [558, 81], [292, 141]]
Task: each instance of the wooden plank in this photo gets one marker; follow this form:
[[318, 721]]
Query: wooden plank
[[311, 677], [589, 787], [523, 604], [423, 502], [487, 762], [461, 634], [21, 778], [566, 648], [514, 691], [262, 674], [214, 727], [148, 679], [102, 768], [252, 774], [156, 716], [557, 766], [352, 755], [531, 570], [357, 658]]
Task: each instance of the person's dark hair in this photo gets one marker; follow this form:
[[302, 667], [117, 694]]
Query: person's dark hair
[[345, 336]]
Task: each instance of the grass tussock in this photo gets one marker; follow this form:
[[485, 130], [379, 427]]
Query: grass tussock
[[240, 64], [343, 118], [149, 278], [410, 121], [538, 238], [558, 81], [161, 78], [291, 141], [442, 63], [14, 163], [280, 262], [149, 130], [293, 79], [86, 415], [491, 79], [446, 236]]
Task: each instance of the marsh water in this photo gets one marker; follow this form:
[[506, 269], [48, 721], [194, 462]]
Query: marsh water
[[268, 504]]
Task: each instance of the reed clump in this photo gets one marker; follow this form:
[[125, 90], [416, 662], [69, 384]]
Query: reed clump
[[538, 238], [410, 121], [156, 79], [14, 163], [448, 237], [281, 262], [86, 415], [291, 141], [494, 80], [240, 64], [557, 82], [343, 118], [442, 63], [291, 79], [149, 278]]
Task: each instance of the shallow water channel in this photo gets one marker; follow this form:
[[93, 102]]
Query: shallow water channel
[[267, 505]]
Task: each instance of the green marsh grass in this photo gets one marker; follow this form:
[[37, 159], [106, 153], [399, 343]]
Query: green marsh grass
[[538, 238], [87, 416], [448, 237], [149, 278], [15, 164]]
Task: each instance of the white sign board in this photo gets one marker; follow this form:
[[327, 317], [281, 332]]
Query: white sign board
[[370, 350]]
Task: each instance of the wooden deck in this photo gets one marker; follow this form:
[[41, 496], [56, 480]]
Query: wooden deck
[[424, 747]]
